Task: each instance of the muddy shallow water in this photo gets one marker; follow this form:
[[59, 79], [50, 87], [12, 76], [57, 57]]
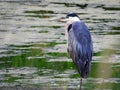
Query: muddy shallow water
[[33, 53]]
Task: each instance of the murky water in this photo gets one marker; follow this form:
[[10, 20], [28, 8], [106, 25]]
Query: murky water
[[33, 52]]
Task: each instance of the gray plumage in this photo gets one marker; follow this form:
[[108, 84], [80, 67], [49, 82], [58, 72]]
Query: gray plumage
[[79, 44], [80, 47]]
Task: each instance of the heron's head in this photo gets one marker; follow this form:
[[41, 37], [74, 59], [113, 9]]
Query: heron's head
[[71, 17]]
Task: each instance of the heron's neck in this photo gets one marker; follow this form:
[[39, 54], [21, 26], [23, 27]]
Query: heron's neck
[[74, 19]]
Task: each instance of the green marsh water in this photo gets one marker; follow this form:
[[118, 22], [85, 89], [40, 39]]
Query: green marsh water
[[33, 53]]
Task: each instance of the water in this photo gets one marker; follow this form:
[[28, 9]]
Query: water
[[33, 46]]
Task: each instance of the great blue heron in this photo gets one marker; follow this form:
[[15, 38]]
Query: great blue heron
[[79, 43]]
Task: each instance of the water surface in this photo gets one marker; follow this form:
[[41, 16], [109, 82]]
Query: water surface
[[33, 53]]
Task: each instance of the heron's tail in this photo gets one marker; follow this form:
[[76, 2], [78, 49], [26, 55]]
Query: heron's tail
[[83, 68]]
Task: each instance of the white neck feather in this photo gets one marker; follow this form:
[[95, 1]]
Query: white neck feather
[[73, 19], [70, 20]]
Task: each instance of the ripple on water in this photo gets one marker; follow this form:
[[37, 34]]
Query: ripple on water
[[33, 46]]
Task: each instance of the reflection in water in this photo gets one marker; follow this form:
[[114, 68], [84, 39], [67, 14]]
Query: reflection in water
[[33, 47]]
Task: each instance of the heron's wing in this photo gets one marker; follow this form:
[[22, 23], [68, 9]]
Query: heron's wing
[[80, 47]]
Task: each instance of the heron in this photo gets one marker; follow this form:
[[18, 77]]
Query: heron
[[79, 44]]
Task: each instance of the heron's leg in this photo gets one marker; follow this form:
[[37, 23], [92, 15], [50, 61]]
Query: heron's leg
[[80, 83]]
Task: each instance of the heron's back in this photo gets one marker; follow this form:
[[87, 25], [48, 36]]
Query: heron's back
[[80, 47]]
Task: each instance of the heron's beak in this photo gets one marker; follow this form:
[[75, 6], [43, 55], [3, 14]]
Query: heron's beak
[[62, 19]]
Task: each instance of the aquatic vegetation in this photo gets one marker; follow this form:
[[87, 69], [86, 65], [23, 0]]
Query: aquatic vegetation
[[57, 54], [116, 28], [112, 8], [39, 16], [40, 12], [46, 26], [72, 4], [30, 61], [43, 31]]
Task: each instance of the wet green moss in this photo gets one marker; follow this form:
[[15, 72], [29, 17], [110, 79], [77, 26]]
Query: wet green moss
[[20, 60], [72, 4], [97, 53], [116, 86], [104, 85], [55, 27], [43, 31], [39, 16], [3, 30], [35, 26], [69, 4], [108, 52], [100, 5], [104, 20], [60, 66], [28, 58], [57, 54], [10, 78], [89, 85], [58, 76], [104, 52], [43, 45], [46, 26], [48, 44], [62, 33], [52, 44], [20, 46], [113, 33], [75, 76], [40, 12], [112, 8], [116, 28], [116, 70]]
